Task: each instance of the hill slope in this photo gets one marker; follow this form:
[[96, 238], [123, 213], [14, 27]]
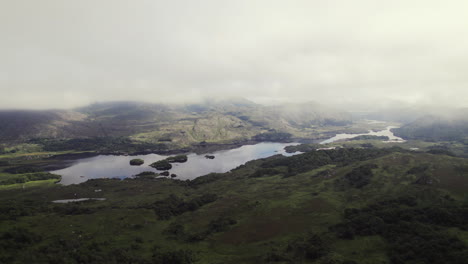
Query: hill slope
[[22, 125], [337, 206]]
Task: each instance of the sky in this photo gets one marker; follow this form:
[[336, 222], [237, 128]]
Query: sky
[[66, 53]]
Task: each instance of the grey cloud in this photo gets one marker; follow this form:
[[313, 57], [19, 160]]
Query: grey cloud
[[57, 53]]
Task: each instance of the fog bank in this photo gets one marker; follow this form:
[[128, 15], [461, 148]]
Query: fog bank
[[63, 54]]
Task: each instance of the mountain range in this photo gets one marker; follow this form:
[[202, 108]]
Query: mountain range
[[211, 121]]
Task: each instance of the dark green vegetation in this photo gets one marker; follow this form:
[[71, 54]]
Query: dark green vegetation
[[302, 148], [414, 230], [20, 174], [22, 169], [161, 165], [358, 177], [273, 136], [136, 162], [28, 177], [178, 158], [174, 206], [334, 206], [147, 174], [316, 159], [166, 163], [164, 173]]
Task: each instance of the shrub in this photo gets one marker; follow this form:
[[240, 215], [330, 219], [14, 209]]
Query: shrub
[[146, 175], [360, 176], [309, 247], [220, 224], [23, 169], [412, 232], [173, 205], [173, 257], [262, 172]]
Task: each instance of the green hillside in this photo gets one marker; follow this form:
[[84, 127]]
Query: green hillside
[[334, 206]]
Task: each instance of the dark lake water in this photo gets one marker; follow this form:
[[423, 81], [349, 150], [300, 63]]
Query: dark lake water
[[110, 166]]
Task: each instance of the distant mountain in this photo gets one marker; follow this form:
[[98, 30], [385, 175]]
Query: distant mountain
[[309, 114], [23, 124], [400, 113], [441, 127], [182, 124], [128, 111]]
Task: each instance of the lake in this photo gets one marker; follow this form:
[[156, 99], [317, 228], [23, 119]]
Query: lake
[[387, 132], [111, 166]]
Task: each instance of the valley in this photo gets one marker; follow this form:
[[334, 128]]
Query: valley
[[298, 191]]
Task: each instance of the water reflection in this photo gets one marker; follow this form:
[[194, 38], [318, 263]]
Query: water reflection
[[108, 166], [78, 200], [387, 132]]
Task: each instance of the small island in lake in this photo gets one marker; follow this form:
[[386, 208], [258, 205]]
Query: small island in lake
[[370, 137], [136, 162], [301, 148], [178, 158], [161, 165]]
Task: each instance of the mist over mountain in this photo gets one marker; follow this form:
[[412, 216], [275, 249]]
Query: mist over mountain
[[187, 123], [65, 55], [443, 126]]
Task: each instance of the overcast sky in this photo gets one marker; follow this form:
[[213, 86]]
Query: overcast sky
[[67, 53]]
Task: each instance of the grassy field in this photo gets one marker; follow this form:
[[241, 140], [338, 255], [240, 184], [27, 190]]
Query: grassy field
[[31, 184]]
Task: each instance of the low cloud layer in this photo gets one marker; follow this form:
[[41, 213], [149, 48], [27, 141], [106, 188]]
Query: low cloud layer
[[61, 54]]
